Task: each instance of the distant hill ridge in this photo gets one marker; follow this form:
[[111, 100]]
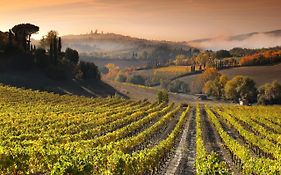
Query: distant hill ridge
[[249, 40], [116, 46]]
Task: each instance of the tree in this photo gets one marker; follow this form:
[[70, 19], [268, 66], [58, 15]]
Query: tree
[[180, 60], [241, 87], [23, 34], [221, 54], [72, 55], [270, 94], [48, 39], [113, 71], [208, 75], [204, 58], [163, 96], [88, 71], [215, 87]]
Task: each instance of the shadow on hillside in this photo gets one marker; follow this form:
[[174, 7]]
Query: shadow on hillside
[[37, 81]]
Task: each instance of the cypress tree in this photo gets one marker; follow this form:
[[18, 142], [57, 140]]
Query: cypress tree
[[51, 53], [55, 45], [59, 45]]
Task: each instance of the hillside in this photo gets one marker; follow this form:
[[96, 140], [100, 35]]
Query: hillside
[[99, 47], [260, 74], [38, 81], [118, 46]]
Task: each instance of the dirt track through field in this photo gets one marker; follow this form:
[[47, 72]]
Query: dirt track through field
[[184, 158]]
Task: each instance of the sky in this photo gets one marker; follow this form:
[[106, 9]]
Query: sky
[[175, 20]]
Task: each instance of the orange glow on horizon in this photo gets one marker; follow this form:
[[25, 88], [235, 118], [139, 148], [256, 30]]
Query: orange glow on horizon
[[176, 20]]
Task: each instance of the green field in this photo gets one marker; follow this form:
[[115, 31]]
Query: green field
[[45, 133]]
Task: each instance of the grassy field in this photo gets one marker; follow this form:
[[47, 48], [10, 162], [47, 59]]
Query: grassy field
[[45, 133], [260, 74]]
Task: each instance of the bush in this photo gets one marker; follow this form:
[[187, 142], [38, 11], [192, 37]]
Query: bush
[[178, 86], [270, 94], [241, 87], [136, 79], [163, 96]]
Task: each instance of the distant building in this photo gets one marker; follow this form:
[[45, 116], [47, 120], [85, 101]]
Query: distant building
[[243, 102]]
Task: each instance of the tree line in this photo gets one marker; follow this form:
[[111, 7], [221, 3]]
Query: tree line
[[18, 53], [239, 88]]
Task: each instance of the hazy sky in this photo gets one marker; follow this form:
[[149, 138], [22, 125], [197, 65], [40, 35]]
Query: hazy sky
[[176, 20]]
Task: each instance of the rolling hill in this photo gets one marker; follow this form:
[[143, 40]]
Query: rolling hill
[[260, 74], [116, 46]]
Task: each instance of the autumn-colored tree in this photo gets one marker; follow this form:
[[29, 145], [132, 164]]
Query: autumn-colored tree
[[265, 57], [215, 87], [180, 60], [113, 71], [205, 58], [209, 74]]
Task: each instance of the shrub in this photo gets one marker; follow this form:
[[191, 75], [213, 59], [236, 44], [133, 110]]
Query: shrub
[[163, 96]]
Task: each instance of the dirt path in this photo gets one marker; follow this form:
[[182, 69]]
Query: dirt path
[[184, 158]]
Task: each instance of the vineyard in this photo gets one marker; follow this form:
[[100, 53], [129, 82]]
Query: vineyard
[[44, 133]]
